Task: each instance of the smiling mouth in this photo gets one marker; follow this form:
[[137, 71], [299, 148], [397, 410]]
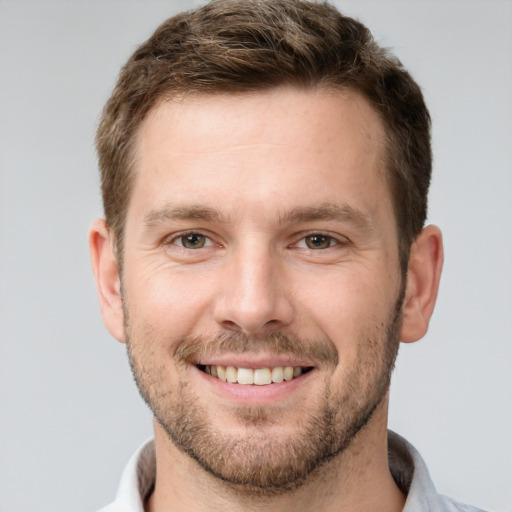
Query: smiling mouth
[[257, 376]]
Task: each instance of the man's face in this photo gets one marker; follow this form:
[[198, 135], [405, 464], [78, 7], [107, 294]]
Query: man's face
[[260, 235]]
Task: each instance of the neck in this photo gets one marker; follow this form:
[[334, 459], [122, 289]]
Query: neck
[[358, 480]]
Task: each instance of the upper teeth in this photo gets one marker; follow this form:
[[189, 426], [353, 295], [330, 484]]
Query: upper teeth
[[259, 376]]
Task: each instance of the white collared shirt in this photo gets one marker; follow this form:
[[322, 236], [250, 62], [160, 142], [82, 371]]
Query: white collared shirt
[[406, 465]]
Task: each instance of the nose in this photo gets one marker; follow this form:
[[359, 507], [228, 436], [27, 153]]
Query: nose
[[253, 297]]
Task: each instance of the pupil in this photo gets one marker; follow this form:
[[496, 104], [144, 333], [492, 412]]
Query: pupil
[[194, 240], [316, 241]]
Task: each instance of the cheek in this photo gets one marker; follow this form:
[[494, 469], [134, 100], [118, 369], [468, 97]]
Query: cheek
[[167, 303], [346, 303]]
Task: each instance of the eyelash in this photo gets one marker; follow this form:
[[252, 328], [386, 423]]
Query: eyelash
[[181, 236], [332, 241], [208, 242]]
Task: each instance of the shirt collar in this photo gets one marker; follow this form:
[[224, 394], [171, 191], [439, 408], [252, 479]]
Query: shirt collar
[[405, 463], [411, 475], [137, 481]]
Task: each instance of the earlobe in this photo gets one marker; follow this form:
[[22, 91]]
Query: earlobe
[[106, 274], [424, 274]]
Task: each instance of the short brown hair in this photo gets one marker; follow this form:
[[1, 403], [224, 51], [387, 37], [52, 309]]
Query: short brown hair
[[250, 45]]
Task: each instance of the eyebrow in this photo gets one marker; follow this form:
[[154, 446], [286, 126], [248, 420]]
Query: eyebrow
[[301, 214], [329, 211], [181, 212]]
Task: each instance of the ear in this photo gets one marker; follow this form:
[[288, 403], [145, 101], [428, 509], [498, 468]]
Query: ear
[[424, 273], [106, 274]]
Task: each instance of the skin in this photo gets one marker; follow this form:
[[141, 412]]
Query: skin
[[254, 176]]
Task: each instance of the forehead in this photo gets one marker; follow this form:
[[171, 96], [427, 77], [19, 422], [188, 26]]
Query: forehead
[[253, 117], [295, 146]]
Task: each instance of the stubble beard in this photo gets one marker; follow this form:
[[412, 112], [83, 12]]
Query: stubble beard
[[255, 462]]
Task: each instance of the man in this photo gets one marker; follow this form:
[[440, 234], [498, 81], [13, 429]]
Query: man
[[265, 169]]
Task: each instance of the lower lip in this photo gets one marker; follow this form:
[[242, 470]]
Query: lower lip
[[251, 393]]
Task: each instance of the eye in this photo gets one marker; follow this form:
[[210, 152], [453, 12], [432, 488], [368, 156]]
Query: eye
[[192, 241], [317, 241]]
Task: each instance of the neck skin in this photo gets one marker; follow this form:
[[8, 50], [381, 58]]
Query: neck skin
[[359, 480]]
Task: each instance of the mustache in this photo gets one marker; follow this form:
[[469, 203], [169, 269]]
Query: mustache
[[191, 349]]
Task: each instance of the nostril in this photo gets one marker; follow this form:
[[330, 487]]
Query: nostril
[[231, 326]]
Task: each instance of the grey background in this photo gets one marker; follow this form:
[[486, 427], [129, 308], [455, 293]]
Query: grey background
[[70, 416]]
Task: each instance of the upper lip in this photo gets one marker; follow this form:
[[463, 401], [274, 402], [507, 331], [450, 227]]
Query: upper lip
[[254, 361]]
